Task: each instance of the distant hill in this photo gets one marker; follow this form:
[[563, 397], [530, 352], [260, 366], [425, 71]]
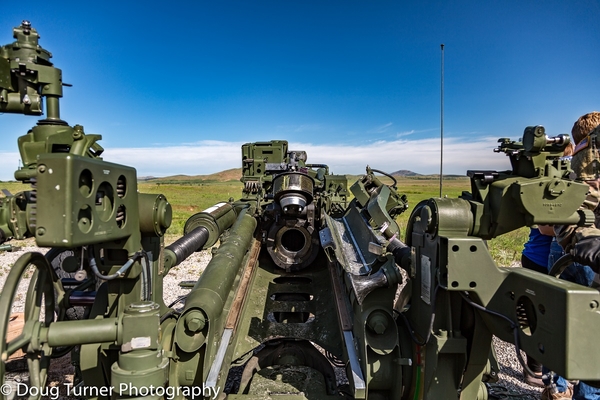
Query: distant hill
[[410, 174], [404, 172], [233, 174]]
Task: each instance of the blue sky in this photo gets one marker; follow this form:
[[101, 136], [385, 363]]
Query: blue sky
[[176, 87]]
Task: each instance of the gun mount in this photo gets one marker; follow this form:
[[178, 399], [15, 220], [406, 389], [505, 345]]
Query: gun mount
[[461, 298], [307, 276], [27, 77]]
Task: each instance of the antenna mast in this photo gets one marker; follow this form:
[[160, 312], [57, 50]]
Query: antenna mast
[[442, 123]]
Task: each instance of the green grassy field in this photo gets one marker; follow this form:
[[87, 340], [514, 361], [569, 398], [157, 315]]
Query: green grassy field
[[190, 197]]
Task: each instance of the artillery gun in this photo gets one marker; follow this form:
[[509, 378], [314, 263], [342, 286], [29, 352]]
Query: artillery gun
[[310, 277]]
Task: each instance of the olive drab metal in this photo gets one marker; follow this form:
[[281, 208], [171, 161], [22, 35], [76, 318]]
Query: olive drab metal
[[311, 292]]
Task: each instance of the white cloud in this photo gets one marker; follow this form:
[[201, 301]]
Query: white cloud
[[380, 129], [308, 127], [413, 131], [203, 157], [299, 128], [206, 157], [420, 155], [405, 133]]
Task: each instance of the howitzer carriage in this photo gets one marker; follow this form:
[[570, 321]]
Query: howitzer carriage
[[310, 275]]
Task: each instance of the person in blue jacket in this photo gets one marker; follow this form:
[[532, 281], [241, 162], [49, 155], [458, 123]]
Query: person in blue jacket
[[535, 257]]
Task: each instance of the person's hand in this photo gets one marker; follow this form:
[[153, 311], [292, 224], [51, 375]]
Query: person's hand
[[587, 252]]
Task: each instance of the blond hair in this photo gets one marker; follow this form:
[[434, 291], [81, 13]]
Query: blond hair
[[569, 150], [585, 125]]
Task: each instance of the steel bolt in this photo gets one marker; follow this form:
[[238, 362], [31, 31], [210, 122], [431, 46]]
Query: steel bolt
[[195, 321], [77, 132], [378, 322]]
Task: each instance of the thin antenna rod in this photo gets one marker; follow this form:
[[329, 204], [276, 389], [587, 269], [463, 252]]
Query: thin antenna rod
[[442, 124]]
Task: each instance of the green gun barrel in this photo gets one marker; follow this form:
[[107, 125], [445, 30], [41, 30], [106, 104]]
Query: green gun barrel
[[207, 299], [201, 230]]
